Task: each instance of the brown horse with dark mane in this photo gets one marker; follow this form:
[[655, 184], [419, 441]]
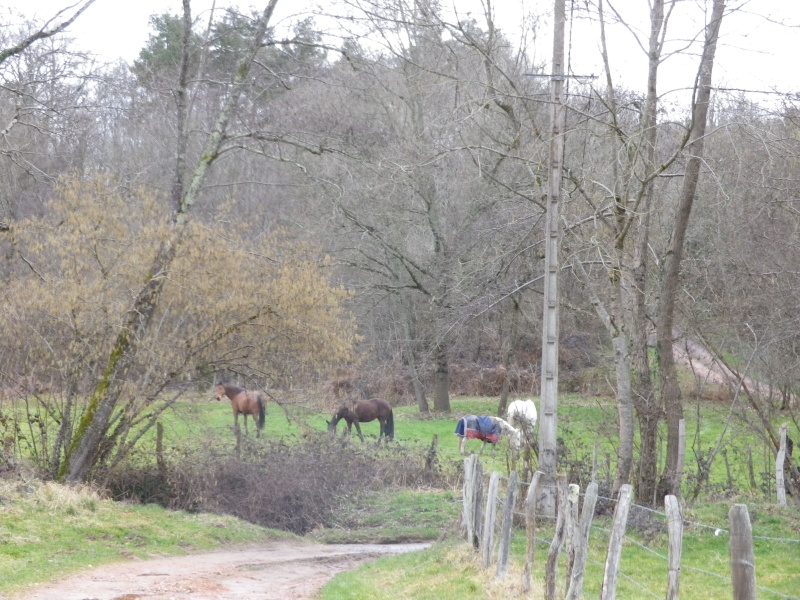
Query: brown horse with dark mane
[[364, 411], [244, 402]]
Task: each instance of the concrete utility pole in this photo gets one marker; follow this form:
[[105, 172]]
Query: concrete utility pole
[[550, 324]]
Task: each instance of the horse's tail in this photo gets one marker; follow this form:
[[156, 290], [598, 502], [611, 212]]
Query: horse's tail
[[262, 412], [389, 429]]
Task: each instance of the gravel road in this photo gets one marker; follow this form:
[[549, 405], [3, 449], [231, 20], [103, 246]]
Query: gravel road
[[286, 570]]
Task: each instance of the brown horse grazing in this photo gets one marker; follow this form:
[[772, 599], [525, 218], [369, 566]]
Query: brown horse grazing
[[364, 411], [246, 403]]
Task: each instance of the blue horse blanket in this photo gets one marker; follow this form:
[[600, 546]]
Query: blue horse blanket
[[481, 428]]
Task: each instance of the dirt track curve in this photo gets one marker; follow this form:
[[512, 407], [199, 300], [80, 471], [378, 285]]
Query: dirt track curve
[[286, 570]]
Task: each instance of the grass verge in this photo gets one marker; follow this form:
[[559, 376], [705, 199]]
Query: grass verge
[[48, 530], [452, 570]]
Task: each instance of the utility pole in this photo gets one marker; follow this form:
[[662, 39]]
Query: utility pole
[[550, 323]]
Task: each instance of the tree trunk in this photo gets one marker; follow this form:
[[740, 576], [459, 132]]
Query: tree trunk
[[648, 412], [645, 402], [670, 392], [441, 380], [619, 342], [625, 410], [411, 355], [82, 452]]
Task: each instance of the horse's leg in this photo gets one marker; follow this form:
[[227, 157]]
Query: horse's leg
[[358, 429], [236, 421], [462, 444]]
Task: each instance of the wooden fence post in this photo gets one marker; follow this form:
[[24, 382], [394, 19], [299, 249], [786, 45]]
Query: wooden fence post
[[743, 564], [489, 519], [551, 567], [530, 530], [573, 496], [505, 531], [582, 544], [675, 528], [780, 484], [472, 496], [609, 591], [477, 505], [468, 496]]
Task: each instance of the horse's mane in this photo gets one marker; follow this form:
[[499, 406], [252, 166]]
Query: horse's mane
[[229, 386], [344, 411]]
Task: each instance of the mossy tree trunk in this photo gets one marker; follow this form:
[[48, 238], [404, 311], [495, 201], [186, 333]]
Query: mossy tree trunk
[[87, 441]]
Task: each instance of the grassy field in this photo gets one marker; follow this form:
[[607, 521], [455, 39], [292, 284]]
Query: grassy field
[[45, 529], [583, 422]]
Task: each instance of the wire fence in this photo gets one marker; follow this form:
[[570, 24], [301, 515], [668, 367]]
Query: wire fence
[[480, 500]]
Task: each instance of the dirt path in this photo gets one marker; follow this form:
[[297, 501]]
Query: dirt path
[[286, 570]]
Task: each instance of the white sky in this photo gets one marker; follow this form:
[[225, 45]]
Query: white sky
[[759, 45]]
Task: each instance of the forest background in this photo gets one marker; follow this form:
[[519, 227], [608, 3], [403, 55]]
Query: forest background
[[366, 218]]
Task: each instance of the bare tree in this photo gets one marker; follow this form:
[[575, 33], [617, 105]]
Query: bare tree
[[51, 28], [85, 447], [439, 136], [44, 85], [625, 207], [671, 394]]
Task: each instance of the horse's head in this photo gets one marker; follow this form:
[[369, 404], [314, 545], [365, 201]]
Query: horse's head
[[341, 413], [514, 435], [219, 391]]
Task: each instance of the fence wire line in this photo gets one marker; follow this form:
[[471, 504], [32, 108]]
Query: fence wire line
[[729, 580], [546, 542], [717, 531], [628, 577]]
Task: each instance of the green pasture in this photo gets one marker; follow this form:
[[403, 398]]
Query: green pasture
[[584, 423], [88, 530], [199, 422]]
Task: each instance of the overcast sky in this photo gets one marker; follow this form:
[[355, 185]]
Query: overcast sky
[[758, 50]]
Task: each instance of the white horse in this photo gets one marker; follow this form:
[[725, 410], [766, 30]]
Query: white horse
[[522, 414]]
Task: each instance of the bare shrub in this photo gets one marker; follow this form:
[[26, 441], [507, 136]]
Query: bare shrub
[[293, 485]]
